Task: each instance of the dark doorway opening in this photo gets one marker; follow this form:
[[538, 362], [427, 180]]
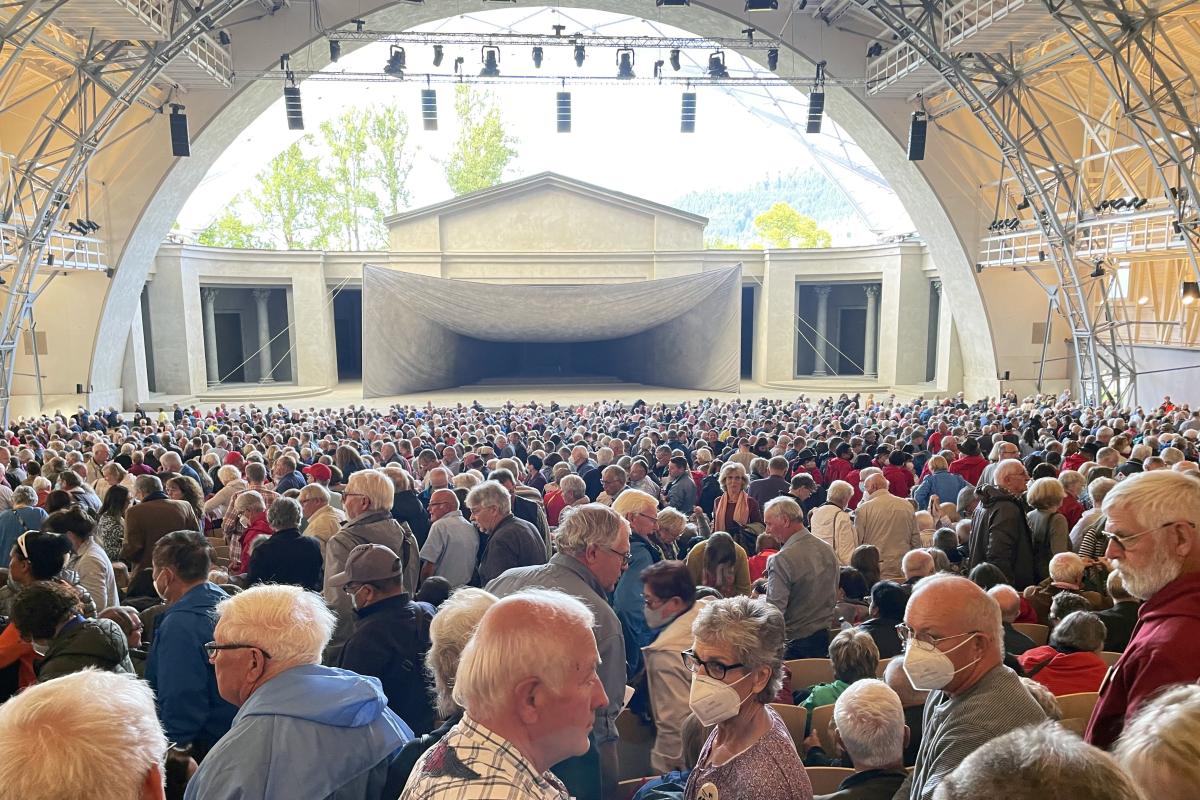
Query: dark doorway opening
[[347, 332], [230, 354], [747, 331], [851, 340], [550, 362]]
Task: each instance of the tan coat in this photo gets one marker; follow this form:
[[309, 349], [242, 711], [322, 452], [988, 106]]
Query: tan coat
[[889, 523], [324, 524], [148, 522]]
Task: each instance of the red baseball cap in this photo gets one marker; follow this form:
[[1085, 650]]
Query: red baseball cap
[[318, 472]]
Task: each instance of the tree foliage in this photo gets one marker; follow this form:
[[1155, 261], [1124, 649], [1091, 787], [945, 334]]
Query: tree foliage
[[292, 199], [782, 226], [483, 148], [230, 229], [355, 205]]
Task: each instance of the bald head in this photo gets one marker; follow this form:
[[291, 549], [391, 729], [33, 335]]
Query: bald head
[[441, 503], [895, 677], [874, 483], [1011, 476], [1008, 600], [917, 564], [964, 622]]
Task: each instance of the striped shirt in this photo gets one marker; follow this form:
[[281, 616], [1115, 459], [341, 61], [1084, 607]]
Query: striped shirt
[[956, 725]]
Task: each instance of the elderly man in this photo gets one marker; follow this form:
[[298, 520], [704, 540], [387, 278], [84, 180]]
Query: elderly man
[[614, 479], [191, 708], [639, 478], [286, 556], [94, 733], [523, 508], [1015, 642], [321, 518], [640, 510], [1119, 621], [321, 475], [511, 542], [869, 722], [679, 491], [1154, 545], [913, 702], [1000, 531], [285, 475], [152, 518], [954, 649], [802, 580], [453, 543], [774, 485], [302, 730], [1066, 575], [391, 632], [528, 684], [593, 551], [917, 564], [81, 494], [889, 523], [95, 465]]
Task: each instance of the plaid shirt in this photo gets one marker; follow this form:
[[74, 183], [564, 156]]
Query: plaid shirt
[[472, 763]]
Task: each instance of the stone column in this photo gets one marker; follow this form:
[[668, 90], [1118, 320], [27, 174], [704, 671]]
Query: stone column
[[261, 296], [208, 297], [819, 368], [869, 359]]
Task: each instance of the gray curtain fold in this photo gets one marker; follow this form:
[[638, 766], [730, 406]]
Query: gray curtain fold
[[422, 334]]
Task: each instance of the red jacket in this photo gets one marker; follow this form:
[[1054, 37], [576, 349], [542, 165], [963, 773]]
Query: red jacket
[[1064, 673], [258, 527], [1160, 653], [837, 470], [1073, 462], [969, 467], [758, 563], [900, 480], [1072, 509]]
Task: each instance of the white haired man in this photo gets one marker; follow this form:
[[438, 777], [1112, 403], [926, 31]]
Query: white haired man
[[528, 684], [593, 552], [302, 730], [453, 543], [889, 523], [1000, 531], [90, 734], [321, 518], [1015, 642], [1153, 533], [869, 722], [954, 644], [802, 580], [511, 542], [1066, 575]]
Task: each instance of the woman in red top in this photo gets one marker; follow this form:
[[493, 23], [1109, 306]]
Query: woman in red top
[[1071, 662], [899, 474], [1072, 483], [766, 546]]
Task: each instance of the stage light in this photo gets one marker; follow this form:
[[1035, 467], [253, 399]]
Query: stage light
[[716, 65], [917, 129], [773, 58], [1118, 204], [580, 55], [223, 38], [359, 24], [438, 54], [395, 63], [1141, 203], [1024, 204], [687, 113], [537, 57], [491, 63], [563, 106], [335, 50], [875, 50], [76, 229], [658, 66], [181, 146], [429, 109], [625, 64], [674, 60], [1143, 300], [762, 5], [1098, 272], [1191, 292], [291, 105]]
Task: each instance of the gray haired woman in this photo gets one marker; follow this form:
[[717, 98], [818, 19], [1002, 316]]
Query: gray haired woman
[[736, 663]]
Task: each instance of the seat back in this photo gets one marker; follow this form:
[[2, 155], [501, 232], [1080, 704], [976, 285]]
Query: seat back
[[794, 717], [883, 662], [808, 672], [1110, 658], [821, 716], [1078, 705], [1040, 634], [826, 780]]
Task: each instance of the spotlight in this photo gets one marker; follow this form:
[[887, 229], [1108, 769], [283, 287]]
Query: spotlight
[[491, 63], [1141, 203], [1013, 224], [359, 24], [437, 55], [675, 60], [181, 146], [773, 58], [285, 62], [223, 38], [875, 50], [91, 226], [1191, 292], [580, 55], [625, 64], [658, 67], [687, 113], [1174, 193], [1105, 204], [917, 130], [291, 105], [762, 5], [76, 229], [716, 65], [1098, 272], [458, 62], [1117, 204], [1041, 255], [537, 57], [395, 63], [563, 103], [335, 50], [1024, 204], [429, 109]]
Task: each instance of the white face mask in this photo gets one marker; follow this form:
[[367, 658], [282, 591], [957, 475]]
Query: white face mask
[[713, 701], [658, 617], [929, 668]]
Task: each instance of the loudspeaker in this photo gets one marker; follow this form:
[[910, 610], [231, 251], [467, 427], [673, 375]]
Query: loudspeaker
[[79, 388], [181, 146], [291, 106], [564, 112], [429, 109], [816, 108], [916, 136], [687, 113]]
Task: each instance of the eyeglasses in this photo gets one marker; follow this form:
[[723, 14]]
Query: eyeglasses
[[1122, 540], [906, 633], [625, 557], [713, 669], [212, 648], [651, 517]]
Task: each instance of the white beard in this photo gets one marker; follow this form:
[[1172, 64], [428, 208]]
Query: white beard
[[1146, 582]]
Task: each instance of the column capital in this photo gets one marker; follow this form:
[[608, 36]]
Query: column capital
[[872, 289], [822, 290], [209, 293], [262, 295], [937, 286]]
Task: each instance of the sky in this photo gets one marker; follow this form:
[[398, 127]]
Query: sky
[[624, 137]]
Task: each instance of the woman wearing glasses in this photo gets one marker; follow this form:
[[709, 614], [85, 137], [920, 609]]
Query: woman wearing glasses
[[736, 662]]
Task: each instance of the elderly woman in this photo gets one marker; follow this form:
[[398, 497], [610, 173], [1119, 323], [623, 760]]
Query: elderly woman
[[640, 510], [735, 508], [721, 563], [831, 522], [1048, 527], [449, 632], [854, 656], [1073, 484], [671, 607], [1087, 537], [1160, 746], [574, 493], [736, 662], [111, 474], [185, 488], [1071, 662], [671, 525], [232, 485], [287, 556], [940, 482], [251, 512], [23, 516]]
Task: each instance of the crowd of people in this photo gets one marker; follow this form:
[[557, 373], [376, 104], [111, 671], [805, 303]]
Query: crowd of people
[[468, 602]]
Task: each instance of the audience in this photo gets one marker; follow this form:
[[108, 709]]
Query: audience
[[1119, 620], [453, 543], [286, 556], [886, 522], [1071, 662], [153, 517], [854, 657], [1066, 575], [802, 580], [508, 542], [88, 560], [913, 701], [1000, 529]]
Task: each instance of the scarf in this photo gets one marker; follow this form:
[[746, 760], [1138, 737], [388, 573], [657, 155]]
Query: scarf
[[741, 509]]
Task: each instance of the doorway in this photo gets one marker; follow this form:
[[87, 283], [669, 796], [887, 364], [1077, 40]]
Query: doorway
[[347, 333], [230, 354], [747, 331], [851, 340]]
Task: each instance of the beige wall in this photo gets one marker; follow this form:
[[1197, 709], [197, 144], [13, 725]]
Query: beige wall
[[1017, 303]]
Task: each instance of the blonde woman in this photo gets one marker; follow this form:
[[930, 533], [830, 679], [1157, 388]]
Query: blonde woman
[[734, 508]]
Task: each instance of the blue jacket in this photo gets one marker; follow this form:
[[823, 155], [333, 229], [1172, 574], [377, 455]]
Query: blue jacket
[[179, 672], [946, 485], [13, 523], [311, 732], [629, 603], [293, 481]]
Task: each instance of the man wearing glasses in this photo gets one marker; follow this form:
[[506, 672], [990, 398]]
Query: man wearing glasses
[[453, 543], [1000, 531], [1153, 518]]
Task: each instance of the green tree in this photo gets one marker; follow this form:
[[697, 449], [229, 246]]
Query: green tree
[[230, 229], [387, 134], [783, 226], [717, 243], [355, 205], [483, 148], [292, 198]]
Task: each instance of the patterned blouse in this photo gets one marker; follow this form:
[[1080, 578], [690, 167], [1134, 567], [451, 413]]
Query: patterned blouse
[[770, 765], [111, 535]]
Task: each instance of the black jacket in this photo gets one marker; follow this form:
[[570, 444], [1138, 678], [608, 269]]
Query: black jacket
[[883, 631], [871, 784], [287, 557], [1015, 642], [1000, 535], [1119, 621], [512, 543], [531, 512], [390, 640], [407, 507]]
